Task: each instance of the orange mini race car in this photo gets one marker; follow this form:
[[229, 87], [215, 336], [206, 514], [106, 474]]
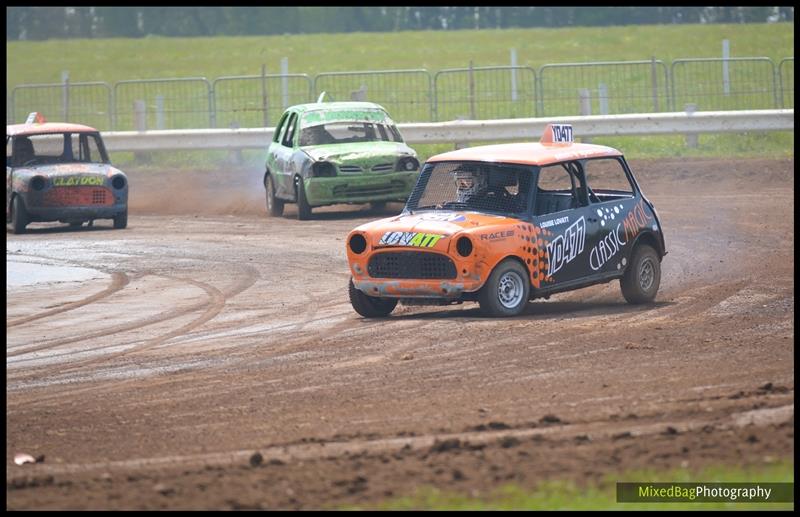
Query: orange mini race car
[[504, 224]]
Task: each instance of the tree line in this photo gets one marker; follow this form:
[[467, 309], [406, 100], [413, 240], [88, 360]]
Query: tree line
[[41, 23]]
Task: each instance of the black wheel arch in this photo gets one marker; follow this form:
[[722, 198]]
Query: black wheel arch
[[652, 240], [14, 194], [296, 181]]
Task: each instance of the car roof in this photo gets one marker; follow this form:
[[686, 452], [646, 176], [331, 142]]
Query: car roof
[[351, 105], [528, 153], [47, 128]]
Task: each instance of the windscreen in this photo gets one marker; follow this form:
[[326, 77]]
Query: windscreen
[[476, 186], [53, 148], [347, 126]]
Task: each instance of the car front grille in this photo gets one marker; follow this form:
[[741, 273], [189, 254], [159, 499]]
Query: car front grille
[[78, 196], [350, 169], [411, 264], [383, 167], [395, 187]]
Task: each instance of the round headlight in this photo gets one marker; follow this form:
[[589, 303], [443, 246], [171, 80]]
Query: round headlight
[[38, 183], [464, 246], [358, 243], [118, 182]]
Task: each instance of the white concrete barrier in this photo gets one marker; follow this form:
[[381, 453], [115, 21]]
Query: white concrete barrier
[[678, 123]]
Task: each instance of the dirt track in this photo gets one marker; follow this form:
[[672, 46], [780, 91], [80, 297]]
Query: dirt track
[[216, 362]]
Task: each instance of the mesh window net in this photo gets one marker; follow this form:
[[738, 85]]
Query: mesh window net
[[472, 186]]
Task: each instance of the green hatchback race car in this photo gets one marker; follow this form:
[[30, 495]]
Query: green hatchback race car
[[328, 153]]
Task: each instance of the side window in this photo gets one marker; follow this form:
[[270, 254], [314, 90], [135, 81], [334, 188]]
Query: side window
[[395, 133], [82, 147], [89, 151], [278, 136], [94, 144], [288, 136], [607, 179], [73, 151], [557, 189], [21, 151]]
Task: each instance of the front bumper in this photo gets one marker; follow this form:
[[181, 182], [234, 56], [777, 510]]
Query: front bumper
[[361, 188], [430, 289], [74, 204], [467, 280], [74, 213]]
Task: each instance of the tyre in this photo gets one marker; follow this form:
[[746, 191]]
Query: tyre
[[19, 215], [506, 291], [274, 205], [121, 220], [370, 306], [75, 224], [643, 276], [303, 208]]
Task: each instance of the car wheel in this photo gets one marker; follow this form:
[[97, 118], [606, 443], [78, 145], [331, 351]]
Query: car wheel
[[76, 224], [19, 215], [643, 276], [506, 291], [370, 306], [121, 220], [303, 208], [274, 205]]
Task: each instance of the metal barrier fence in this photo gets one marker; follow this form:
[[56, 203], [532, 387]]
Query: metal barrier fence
[[479, 93], [406, 94], [489, 92], [474, 130], [163, 104], [724, 84], [603, 88], [257, 100], [786, 82], [85, 103]]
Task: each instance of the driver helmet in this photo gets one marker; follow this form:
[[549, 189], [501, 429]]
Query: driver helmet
[[469, 182]]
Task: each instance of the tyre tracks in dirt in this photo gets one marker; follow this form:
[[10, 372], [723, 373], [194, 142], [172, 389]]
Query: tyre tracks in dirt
[[260, 352], [211, 307], [118, 281]]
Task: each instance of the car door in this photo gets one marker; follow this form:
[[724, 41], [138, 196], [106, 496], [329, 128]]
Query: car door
[[562, 210], [285, 155], [611, 201], [9, 174], [280, 153]]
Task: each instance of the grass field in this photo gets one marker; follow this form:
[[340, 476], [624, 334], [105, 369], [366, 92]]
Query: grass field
[[113, 60], [567, 496]]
